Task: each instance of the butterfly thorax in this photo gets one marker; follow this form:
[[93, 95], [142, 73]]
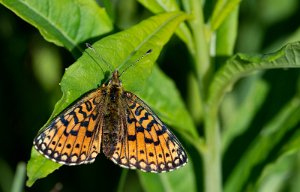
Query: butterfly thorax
[[113, 101]]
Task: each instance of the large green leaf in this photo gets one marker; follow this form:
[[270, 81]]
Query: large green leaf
[[124, 51], [66, 23]]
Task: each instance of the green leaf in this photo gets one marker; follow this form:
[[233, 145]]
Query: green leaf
[[275, 175], [226, 34], [18, 183], [159, 6], [286, 163], [182, 179], [241, 65], [39, 167], [292, 145], [124, 51], [65, 23], [221, 12]]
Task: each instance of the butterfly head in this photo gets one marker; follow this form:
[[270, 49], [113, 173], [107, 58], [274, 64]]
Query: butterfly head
[[115, 81]]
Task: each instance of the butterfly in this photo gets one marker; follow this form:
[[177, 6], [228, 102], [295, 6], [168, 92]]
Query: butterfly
[[128, 131]]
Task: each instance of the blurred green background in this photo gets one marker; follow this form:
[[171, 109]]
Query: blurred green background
[[31, 69]]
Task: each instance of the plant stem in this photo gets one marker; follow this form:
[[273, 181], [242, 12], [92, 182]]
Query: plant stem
[[201, 54], [211, 152], [212, 156]]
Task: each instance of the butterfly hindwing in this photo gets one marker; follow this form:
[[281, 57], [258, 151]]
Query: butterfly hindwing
[[74, 136]]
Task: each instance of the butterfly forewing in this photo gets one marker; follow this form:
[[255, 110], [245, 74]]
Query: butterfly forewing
[[74, 136]]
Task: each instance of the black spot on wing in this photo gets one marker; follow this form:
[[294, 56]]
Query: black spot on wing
[[147, 140], [88, 105], [74, 133], [74, 116], [82, 112], [130, 120], [138, 110], [162, 131], [139, 129], [84, 124], [131, 137], [88, 133], [146, 117], [63, 120], [156, 143]]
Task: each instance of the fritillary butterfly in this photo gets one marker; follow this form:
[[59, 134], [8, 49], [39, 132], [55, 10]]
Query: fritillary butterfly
[[131, 135]]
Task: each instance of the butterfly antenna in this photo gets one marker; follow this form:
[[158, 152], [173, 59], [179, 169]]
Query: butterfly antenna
[[98, 58], [148, 52]]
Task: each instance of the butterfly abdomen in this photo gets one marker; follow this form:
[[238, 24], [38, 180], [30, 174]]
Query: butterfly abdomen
[[113, 113]]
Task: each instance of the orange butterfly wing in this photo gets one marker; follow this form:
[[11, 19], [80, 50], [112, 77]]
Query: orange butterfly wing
[[133, 136], [74, 136], [147, 143]]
